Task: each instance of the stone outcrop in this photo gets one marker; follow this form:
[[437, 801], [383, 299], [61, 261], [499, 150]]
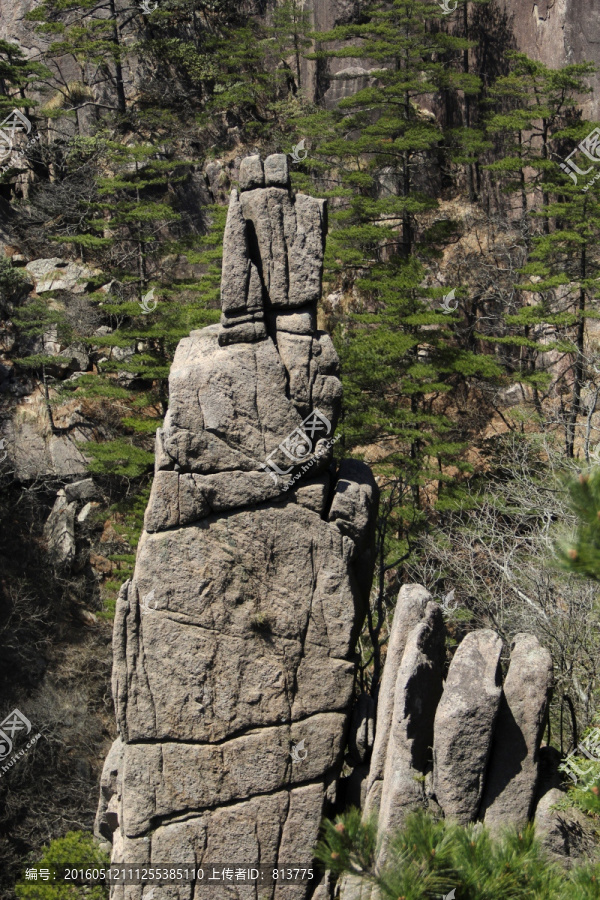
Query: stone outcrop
[[416, 696], [59, 530], [464, 725], [469, 748], [410, 609], [234, 641], [512, 772]]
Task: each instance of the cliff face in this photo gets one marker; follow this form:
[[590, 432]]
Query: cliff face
[[559, 32], [554, 31]]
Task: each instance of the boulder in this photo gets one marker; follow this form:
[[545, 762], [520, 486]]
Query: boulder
[[512, 773], [251, 173], [410, 610], [464, 724], [77, 356], [565, 832], [58, 274], [59, 531], [85, 489], [417, 692], [277, 171]]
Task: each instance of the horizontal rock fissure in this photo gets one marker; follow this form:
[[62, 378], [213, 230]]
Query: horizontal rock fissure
[[196, 813], [256, 729]]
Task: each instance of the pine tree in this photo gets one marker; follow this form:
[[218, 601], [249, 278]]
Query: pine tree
[[581, 555], [428, 858], [17, 74], [133, 229], [380, 151], [88, 31], [539, 109]]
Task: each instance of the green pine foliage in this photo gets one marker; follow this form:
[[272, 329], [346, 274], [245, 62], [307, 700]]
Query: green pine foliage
[[17, 75], [536, 115], [582, 554], [428, 859], [77, 850], [376, 152]]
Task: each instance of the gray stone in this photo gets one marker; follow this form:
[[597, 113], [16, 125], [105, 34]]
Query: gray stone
[[59, 531], [290, 237], [234, 642], [207, 633], [50, 341], [464, 724], [417, 692], [82, 490], [277, 171], [236, 264], [355, 492], [57, 274], [314, 495], [251, 173], [78, 357], [305, 257], [410, 610], [107, 816], [157, 782], [248, 332], [298, 322], [512, 774], [230, 408], [566, 833]]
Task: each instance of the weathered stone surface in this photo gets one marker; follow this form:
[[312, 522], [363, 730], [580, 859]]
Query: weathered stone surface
[[230, 407], [464, 724], [85, 489], [251, 173], [160, 779], [305, 258], [511, 778], [107, 816], [243, 333], [288, 234], [417, 692], [298, 322], [234, 657], [236, 263], [34, 453], [567, 834], [219, 674], [58, 274], [314, 494], [59, 531], [78, 357], [410, 609], [277, 171]]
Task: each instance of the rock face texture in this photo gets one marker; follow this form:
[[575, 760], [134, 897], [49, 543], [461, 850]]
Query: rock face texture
[[464, 725], [469, 747], [234, 641], [511, 778], [417, 692], [410, 610]]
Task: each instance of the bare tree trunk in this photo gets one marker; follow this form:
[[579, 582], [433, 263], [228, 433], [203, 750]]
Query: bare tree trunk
[[121, 101]]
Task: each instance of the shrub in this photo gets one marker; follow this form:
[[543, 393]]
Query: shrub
[[77, 849], [429, 858]]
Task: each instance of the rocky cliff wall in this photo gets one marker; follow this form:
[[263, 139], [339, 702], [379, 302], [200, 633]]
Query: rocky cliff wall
[[554, 31]]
